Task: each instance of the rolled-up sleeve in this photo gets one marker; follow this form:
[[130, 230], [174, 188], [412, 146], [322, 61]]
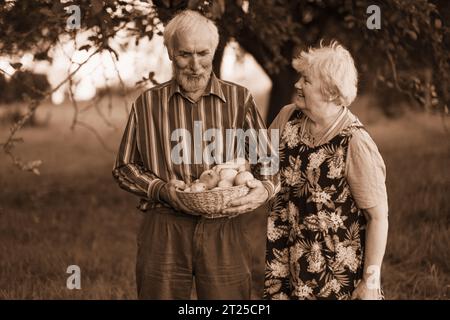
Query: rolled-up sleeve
[[129, 171], [366, 171]]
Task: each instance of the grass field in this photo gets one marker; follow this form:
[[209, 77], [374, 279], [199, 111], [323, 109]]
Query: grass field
[[74, 213]]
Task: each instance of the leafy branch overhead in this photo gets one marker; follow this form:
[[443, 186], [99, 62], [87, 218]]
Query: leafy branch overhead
[[410, 53], [414, 35]]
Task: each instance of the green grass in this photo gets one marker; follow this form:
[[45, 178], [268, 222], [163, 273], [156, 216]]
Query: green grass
[[74, 213]]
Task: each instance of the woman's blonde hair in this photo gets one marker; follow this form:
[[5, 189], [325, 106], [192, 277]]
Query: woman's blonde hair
[[335, 68]]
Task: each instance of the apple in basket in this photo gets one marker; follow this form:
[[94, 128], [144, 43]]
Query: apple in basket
[[242, 178], [225, 184], [197, 187], [228, 174], [210, 178], [179, 184], [244, 167]]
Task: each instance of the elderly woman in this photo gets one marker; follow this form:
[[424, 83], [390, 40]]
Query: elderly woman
[[328, 226]]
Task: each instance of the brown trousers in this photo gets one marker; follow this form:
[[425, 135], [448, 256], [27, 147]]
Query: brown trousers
[[176, 248]]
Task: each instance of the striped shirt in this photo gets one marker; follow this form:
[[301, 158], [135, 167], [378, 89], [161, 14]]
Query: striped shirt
[[163, 121]]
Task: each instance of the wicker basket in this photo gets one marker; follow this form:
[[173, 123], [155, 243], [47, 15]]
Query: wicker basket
[[210, 203]]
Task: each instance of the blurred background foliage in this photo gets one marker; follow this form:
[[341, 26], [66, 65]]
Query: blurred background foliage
[[407, 58]]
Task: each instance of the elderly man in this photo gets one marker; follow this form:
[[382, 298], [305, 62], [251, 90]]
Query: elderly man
[[176, 245]]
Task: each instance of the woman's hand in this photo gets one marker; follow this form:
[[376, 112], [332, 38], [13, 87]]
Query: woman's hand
[[362, 292]]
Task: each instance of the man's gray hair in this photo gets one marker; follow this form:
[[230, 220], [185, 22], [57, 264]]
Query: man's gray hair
[[189, 21]]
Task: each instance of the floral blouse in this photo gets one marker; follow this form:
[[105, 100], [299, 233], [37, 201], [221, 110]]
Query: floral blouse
[[316, 230]]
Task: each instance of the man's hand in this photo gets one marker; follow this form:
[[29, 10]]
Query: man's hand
[[254, 199], [169, 195]]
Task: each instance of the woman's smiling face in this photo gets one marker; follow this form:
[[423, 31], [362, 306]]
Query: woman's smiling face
[[308, 91]]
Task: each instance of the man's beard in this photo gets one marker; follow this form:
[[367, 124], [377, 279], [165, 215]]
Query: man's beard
[[192, 83]]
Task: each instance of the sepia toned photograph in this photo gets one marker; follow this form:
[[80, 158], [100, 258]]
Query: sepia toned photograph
[[224, 150]]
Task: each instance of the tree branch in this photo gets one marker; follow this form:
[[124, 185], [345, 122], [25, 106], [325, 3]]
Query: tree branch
[[9, 144]]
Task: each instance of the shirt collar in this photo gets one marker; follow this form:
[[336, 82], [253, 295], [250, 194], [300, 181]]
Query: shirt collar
[[213, 88]]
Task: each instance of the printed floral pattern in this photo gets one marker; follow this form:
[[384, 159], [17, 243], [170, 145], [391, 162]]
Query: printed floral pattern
[[315, 236], [291, 134]]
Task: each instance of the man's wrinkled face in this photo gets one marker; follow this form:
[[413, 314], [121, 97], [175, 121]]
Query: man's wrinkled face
[[192, 60]]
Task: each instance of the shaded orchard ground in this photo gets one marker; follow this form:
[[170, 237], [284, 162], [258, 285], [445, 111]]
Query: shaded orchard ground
[[74, 213]]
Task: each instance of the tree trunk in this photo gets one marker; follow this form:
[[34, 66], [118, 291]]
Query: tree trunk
[[282, 91], [217, 62]]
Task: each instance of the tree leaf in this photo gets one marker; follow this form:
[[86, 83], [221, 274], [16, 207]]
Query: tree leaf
[[411, 34], [438, 23], [85, 47], [16, 65], [41, 56]]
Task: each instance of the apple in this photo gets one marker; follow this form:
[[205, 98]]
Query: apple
[[228, 174], [210, 178], [243, 177], [225, 183], [242, 168], [245, 166], [237, 162], [198, 187], [179, 184], [232, 164], [217, 168]]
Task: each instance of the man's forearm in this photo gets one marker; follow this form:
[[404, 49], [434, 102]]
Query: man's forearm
[[163, 194], [134, 179]]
